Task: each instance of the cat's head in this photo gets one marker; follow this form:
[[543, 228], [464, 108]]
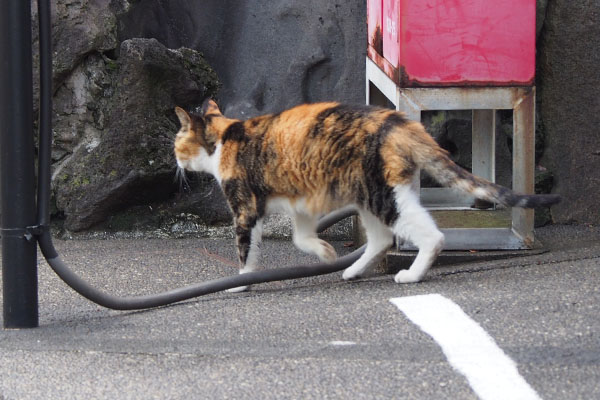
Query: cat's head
[[198, 138]]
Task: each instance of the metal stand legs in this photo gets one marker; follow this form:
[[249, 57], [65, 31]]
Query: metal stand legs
[[483, 101]]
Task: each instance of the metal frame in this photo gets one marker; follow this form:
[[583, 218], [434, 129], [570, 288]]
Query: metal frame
[[483, 101]]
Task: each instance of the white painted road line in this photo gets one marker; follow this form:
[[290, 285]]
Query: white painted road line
[[342, 343], [469, 349]]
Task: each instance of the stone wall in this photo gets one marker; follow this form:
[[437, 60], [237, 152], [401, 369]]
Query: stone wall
[[114, 93], [270, 55], [113, 117], [568, 84], [117, 78]]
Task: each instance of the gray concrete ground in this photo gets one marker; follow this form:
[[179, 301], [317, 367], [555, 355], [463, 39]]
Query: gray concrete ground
[[313, 338]]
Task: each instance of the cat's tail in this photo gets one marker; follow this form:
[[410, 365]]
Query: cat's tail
[[438, 164]]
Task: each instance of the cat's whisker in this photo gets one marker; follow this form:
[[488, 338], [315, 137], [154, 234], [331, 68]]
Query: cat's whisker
[[182, 179], [210, 191]]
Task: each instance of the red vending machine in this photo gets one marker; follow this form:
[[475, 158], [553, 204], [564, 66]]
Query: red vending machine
[[474, 55]]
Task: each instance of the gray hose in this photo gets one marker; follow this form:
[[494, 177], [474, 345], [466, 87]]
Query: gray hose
[[188, 292]]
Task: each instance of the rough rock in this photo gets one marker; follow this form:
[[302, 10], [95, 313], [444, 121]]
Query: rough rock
[[113, 119], [79, 28], [568, 88], [115, 126], [269, 55]]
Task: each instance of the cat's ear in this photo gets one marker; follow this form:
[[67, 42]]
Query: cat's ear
[[210, 107], [184, 118]]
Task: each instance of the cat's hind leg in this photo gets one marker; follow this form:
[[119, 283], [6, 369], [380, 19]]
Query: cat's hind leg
[[305, 238], [379, 240], [416, 225], [248, 240]]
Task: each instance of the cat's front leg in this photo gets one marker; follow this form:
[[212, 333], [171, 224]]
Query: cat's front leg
[[248, 237]]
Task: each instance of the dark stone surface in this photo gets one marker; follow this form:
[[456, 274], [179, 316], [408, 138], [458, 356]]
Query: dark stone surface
[[540, 14], [117, 130], [568, 88], [79, 28], [112, 121], [269, 55]]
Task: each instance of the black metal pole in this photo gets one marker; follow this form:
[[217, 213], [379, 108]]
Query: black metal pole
[[17, 177]]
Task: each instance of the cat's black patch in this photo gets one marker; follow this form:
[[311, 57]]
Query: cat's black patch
[[237, 193], [343, 122], [343, 150], [391, 121], [343, 114], [205, 104], [253, 123], [199, 127], [380, 198], [235, 132], [507, 195], [361, 197], [253, 160], [409, 170], [317, 128], [209, 144], [243, 236], [333, 188], [241, 201]]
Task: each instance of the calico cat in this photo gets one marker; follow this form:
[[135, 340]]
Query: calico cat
[[315, 158]]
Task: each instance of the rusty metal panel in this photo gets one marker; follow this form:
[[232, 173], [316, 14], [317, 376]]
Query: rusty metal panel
[[483, 133], [464, 98], [375, 25], [524, 162]]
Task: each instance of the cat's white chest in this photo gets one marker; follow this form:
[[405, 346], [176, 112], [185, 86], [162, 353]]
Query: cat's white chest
[[204, 162], [284, 205]]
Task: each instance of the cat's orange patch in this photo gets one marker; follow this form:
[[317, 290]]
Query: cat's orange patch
[[218, 126], [228, 167], [310, 164], [186, 149]]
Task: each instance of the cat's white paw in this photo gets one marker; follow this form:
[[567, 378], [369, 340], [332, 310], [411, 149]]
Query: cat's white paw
[[407, 276], [326, 252], [238, 289], [245, 270], [352, 273]]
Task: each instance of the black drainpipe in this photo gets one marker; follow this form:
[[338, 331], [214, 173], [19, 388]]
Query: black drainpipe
[[17, 176]]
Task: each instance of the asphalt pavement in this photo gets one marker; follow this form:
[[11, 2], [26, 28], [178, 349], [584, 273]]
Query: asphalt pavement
[[313, 338]]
